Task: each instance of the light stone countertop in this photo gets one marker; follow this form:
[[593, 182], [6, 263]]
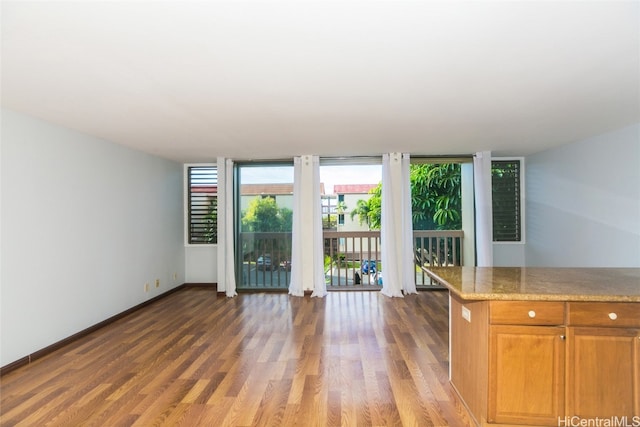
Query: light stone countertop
[[540, 283]]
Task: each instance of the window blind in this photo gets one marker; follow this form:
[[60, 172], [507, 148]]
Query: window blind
[[203, 204], [506, 199]]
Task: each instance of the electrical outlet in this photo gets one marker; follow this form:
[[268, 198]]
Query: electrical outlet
[[157, 283], [466, 314], [146, 287], [175, 276]]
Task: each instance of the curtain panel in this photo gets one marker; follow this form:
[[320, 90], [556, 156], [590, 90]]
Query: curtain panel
[[396, 232], [307, 249], [226, 247], [484, 214]]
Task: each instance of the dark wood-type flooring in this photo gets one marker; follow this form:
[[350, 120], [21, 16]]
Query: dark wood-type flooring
[[196, 358]]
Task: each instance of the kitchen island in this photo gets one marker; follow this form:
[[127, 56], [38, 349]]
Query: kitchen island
[[545, 346]]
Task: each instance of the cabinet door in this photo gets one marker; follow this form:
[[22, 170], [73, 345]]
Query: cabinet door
[[602, 372], [526, 374]]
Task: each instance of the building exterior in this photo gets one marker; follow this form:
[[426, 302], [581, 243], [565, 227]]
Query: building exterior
[[354, 248], [282, 193], [349, 194]]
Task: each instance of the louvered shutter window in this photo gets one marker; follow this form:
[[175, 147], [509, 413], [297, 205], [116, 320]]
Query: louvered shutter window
[[506, 197], [203, 204]]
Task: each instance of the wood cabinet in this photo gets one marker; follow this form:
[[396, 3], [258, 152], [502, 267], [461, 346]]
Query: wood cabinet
[[526, 374], [603, 364], [526, 362], [537, 362]]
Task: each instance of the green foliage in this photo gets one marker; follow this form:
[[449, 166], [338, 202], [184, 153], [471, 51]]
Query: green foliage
[[286, 223], [329, 221], [375, 207], [341, 207], [211, 230], [435, 196], [362, 211], [263, 215], [327, 262], [435, 199]]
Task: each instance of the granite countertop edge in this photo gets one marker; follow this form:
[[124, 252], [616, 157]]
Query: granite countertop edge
[[541, 297], [532, 296]]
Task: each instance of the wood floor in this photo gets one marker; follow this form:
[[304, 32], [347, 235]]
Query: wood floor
[[198, 359]]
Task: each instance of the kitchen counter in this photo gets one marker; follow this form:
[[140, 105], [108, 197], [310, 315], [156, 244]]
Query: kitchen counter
[[540, 283], [567, 339]]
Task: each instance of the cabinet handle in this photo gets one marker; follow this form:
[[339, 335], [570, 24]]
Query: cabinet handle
[[613, 316], [562, 337], [532, 314]]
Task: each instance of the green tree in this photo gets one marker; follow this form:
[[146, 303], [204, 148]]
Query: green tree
[[436, 196], [211, 230], [362, 211], [341, 207], [264, 215], [435, 199], [375, 207], [286, 216], [329, 221]]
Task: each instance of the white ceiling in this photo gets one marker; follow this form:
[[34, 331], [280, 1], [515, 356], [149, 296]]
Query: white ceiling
[[270, 79]]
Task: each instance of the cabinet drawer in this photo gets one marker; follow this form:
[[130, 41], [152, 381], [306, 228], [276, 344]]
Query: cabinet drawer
[[620, 314], [526, 312]]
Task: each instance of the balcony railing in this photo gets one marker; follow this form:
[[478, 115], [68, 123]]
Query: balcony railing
[[352, 259], [442, 248], [266, 260]]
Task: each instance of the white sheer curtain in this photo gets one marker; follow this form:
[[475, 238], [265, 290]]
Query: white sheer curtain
[[307, 260], [397, 228], [226, 252], [296, 287], [408, 267], [484, 212], [319, 283]]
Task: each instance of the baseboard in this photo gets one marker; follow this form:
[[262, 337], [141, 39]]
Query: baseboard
[[201, 285], [15, 365], [57, 345]]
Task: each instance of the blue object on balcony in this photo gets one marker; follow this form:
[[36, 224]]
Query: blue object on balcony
[[368, 267]]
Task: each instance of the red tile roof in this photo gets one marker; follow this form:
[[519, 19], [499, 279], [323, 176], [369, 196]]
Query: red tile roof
[[270, 189], [273, 189], [353, 188]]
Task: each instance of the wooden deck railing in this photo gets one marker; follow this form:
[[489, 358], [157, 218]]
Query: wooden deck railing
[[436, 248], [352, 259]]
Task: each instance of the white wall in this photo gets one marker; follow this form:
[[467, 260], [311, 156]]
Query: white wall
[[583, 203], [201, 263], [508, 254], [85, 224]]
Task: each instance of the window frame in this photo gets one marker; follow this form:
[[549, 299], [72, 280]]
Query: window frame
[[523, 228], [187, 219]]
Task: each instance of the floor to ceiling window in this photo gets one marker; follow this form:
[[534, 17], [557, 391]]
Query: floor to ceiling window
[[437, 213], [351, 216], [350, 220], [264, 200]]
